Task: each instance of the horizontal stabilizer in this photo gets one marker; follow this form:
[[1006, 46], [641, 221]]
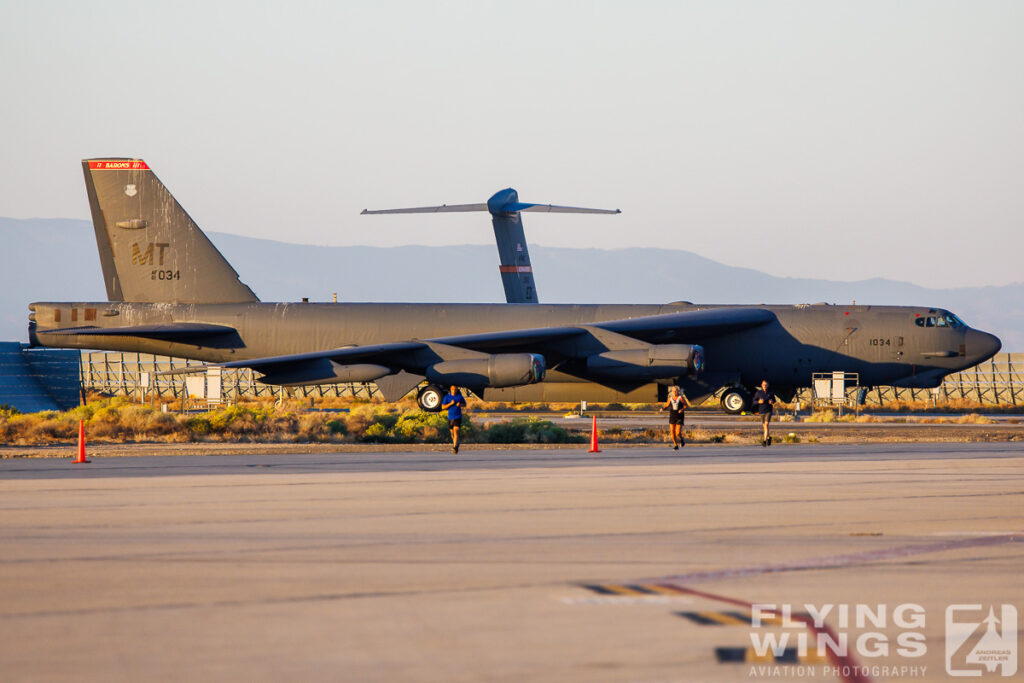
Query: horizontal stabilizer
[[503, 201], [166, 331], [553, 208], [444, 208]]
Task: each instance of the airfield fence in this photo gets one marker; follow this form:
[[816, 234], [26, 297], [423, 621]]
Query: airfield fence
[[141, 377], [998, 381]]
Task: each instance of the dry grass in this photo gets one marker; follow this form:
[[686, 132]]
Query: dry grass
[[953, 405], [117, 421], [291, 421], [969, 419], [829, 415]]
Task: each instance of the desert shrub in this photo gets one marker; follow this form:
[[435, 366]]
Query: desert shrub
[[141, 420], [337, 427], [49, 426], [974, 419], [311, 427], [376, 433], [278, 424], [161, 424], [529, 430], [699, 435], [199, 425], [240, 419], [416, 425], [411, 426], [365, 417]]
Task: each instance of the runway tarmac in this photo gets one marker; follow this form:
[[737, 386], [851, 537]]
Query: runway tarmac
[[628, 565]]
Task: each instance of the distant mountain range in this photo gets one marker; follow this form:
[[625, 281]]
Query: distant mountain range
[[56, 260]]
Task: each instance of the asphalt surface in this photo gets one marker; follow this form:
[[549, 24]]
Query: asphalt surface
[[718, 420], [628, 565]]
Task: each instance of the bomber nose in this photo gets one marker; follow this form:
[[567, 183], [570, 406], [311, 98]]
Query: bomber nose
[[981, 345]]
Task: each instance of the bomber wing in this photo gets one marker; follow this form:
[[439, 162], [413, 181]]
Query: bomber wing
[[563, 347]]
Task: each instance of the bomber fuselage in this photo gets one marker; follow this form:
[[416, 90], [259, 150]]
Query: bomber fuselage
[[903, 346]]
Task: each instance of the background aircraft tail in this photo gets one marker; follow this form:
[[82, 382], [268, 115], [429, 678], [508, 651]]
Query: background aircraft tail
[[150, 249], [505, 207]]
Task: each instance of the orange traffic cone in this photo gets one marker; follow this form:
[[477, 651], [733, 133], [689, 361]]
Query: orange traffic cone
[[593, 437], [81, 444]]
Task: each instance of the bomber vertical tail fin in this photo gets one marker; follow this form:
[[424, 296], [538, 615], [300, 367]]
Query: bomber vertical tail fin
[[150, 249]]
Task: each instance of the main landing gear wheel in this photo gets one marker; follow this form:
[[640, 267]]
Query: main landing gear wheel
[[430, 398], [735, 401]]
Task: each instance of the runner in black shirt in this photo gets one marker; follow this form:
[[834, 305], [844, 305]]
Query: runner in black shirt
[[676, 407], [764, 401]]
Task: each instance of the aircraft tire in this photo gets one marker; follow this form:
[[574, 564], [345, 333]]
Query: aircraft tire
[[430, 398], [735, 400]]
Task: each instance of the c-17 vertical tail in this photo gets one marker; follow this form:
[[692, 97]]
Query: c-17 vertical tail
[[513, 254], [150, 249]]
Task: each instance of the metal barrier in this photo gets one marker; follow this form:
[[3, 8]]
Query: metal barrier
[[139, 377], [998, 381], [833, 388]]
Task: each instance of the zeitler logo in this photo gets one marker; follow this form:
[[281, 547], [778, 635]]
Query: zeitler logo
[[976, 643]]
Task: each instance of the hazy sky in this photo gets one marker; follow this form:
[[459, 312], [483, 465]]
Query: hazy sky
[[840, 140]]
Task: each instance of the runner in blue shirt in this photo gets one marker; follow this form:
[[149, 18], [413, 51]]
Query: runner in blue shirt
[[454, 402]]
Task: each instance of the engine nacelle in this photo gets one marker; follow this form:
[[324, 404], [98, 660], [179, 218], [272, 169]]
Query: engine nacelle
[[661, 361], [498, 370], [324, 371]]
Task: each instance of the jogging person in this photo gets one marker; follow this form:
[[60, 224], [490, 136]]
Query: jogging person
[[765, 401], [454, 402], [676, 406]]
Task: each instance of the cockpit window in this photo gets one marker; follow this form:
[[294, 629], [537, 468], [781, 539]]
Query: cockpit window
[[942, 320]]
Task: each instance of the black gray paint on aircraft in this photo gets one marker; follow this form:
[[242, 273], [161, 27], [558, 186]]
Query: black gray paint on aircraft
[[170, 292]]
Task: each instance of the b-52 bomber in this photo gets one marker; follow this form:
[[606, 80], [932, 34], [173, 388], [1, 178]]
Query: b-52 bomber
[[171, 292]]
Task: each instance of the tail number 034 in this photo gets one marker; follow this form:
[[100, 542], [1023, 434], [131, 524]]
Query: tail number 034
[[165, 275]]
